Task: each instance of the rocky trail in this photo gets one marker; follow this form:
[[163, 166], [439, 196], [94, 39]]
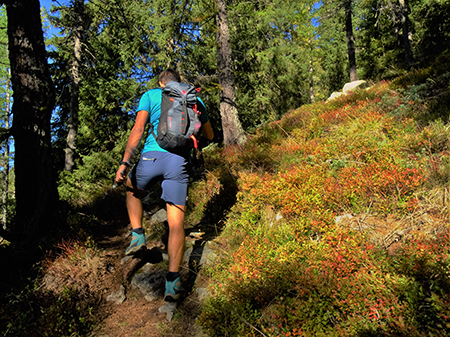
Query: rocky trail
[[132, 303], [79, 279]]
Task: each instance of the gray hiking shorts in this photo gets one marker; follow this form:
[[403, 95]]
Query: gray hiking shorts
[[165, 166]]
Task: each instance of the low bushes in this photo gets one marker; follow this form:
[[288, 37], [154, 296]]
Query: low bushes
[[289, 269]]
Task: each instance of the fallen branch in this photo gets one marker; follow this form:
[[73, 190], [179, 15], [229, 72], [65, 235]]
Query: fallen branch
[[250, 325]]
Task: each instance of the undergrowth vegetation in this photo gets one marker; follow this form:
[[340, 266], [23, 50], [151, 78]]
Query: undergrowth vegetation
[[62, 301], [302, 258], [332, 221]]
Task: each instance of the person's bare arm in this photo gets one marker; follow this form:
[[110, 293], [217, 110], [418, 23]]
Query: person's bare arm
[[134, 139]]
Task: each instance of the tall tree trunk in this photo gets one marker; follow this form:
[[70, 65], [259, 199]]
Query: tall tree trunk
[[33, 101], [350, 39], [311, 80], [74, 105], [233, 132], [6, 164], [406, 32]]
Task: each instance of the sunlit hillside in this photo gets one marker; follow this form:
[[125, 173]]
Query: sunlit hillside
[[341, 220]]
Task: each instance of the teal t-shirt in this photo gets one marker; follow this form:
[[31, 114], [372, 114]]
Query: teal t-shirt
[[151, 102]]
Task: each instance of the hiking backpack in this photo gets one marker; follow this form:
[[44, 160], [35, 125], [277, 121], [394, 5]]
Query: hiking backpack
[[179, 123]]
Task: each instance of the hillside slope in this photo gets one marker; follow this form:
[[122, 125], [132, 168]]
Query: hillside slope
[[341, 220], [330, 222]]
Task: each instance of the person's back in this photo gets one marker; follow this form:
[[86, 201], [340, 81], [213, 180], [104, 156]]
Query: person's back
[[151, 101]]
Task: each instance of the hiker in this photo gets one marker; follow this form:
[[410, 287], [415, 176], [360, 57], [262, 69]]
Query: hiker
[[156, 163]]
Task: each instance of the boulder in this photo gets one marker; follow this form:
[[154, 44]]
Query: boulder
[[335, 95], [352, 86], [150, 280]]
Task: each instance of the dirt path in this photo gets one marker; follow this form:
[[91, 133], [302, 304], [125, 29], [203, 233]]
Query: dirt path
[[137, 316]]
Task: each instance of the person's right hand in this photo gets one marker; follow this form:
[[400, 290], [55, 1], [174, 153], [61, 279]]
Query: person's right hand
[[122, 173]]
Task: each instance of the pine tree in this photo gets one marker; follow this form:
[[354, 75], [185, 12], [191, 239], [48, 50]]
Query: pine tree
[[35, 186], [333, 48], [350, 39], [231, 125], [5, 103]]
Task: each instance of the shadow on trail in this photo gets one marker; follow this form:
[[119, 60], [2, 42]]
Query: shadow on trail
[[137, 261], [212, 224]]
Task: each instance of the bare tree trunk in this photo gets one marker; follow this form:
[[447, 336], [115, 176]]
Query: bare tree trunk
[[6, 164], [33, 102], [311, 80], [406, 32], [74, 104], [170, 46], [233, 132], [350, 39]]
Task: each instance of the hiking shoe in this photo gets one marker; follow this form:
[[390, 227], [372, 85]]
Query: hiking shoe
[[173, 290], [137, 244]]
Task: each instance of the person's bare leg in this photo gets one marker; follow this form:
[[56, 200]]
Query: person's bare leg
[[175, 218], [134, 205], [135, 213]]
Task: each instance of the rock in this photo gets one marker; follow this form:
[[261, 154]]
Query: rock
[[150, 281], [165, 257], [343, 218], [189, 243], [125, 259], [202, 256], [118, 296], [168, 309], [150, 297], [187, 254], [335, 95], [202, 293], [355, 85], [352, 86], [196, 235], [278, 217], [159, 217], [208, 256]]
